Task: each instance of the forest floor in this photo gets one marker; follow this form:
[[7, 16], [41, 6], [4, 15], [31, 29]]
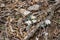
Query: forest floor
[[29, 19]]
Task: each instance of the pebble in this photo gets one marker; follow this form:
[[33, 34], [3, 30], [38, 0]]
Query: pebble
[[24, 12], [34, 7]]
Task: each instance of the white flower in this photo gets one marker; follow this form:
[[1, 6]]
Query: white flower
[[37, 38], [28, 22], [47, 22], [45, 33], [33, 17], [34, 21]]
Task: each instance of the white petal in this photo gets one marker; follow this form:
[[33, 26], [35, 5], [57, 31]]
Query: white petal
[[37, 38], [34, 21], [33, 17], [45, 33], [47, 22], [28, 22]]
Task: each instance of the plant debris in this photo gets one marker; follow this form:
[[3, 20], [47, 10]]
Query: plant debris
[[29, 19]]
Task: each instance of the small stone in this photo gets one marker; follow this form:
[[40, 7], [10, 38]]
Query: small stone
[[47, 22], [34, 7]]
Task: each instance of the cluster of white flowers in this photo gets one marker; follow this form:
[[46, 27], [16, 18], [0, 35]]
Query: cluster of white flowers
[[30, 22], [33, 20]]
